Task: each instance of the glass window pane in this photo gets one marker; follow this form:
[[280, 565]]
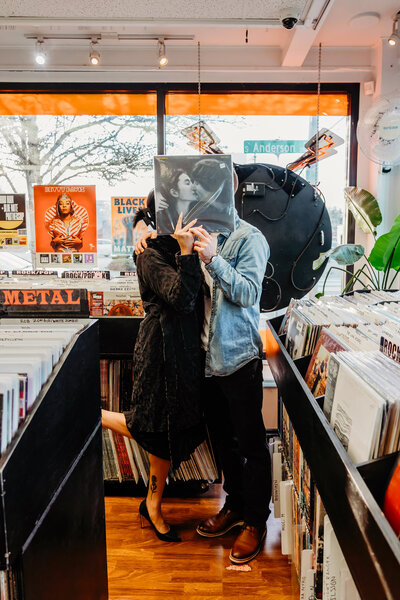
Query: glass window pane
[[106, 140], [272, 128]]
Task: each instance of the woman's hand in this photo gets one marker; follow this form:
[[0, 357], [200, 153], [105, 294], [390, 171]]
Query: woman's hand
[[141, 244], [205, 245], [58, 239], [73, 242], [183, 236]]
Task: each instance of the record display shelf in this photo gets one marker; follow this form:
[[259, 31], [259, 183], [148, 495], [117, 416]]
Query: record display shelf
[[117, 336], [52, 521], [350, 493]]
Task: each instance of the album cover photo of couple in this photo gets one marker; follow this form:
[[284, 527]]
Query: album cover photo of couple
[[199, 187]]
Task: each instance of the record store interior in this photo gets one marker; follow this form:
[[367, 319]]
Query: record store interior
[[200, 300]]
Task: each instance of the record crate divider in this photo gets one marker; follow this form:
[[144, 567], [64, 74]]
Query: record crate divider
[[350, 493], [117, 336], [52, 517]]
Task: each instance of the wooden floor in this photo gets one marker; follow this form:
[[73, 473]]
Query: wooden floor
[[142, 567]]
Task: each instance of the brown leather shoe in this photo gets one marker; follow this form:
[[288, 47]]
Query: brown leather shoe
[[248, 544], [220, 524]]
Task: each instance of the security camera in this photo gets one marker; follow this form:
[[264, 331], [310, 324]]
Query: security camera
[[289, 17]]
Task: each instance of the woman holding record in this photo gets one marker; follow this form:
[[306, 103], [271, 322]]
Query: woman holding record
[[166, 415]]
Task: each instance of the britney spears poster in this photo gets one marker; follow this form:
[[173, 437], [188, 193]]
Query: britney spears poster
[[65, 225]]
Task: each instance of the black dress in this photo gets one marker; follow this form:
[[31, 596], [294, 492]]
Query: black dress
[[166, 415]]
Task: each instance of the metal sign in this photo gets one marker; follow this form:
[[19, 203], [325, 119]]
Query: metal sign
[[273, 146]]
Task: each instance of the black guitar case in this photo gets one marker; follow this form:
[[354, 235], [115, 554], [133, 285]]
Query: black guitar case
[[294, 219]]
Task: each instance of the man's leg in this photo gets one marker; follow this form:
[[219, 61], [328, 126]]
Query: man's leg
[[226, 449], [243, 389]]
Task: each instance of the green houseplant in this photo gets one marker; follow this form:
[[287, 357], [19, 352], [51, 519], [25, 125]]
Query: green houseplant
[[375, 272]]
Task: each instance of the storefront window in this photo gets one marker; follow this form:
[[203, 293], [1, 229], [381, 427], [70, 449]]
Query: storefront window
[[105, 140], [272, 128]]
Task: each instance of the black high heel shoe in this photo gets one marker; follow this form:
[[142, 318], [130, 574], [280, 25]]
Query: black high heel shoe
[[170, 536]]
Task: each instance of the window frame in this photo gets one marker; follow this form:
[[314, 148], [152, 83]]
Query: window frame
[[162, 89]]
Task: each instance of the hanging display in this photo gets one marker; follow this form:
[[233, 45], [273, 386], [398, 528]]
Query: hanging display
[[65, 225], [12, 222], [123, 210]]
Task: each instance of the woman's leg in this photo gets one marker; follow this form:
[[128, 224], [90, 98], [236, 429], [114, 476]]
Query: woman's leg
[[115, 421], [159, 468]]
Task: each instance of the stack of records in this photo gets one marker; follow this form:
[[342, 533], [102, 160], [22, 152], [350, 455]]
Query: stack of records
[[29, 350]]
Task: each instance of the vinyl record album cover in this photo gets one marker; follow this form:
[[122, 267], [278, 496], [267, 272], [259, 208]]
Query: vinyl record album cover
[[198, 186], [65, 225], [12, 222]]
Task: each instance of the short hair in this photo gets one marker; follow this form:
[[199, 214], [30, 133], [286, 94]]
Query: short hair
[[210, 173]]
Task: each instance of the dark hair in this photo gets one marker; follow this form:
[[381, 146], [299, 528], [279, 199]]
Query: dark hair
[[148, 214], [170, 181], [210, 173], [71, 212]]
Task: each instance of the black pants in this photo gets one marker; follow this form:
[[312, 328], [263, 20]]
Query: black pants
[[233, 412]]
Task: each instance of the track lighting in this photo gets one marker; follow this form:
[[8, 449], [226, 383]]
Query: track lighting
[[94, 55], [162, 57], [40, 54], [394, 38]]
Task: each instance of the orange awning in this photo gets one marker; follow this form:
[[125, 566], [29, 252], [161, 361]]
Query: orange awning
[[257, 103], [78, 104]]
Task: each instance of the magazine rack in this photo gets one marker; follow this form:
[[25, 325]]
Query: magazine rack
[[52, 523], [368, 543]]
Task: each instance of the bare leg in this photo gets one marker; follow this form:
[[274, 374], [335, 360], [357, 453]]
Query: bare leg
[[115, 421], [159, 468]]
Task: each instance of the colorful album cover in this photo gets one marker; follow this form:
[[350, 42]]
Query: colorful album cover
[[65, 225], [12, 222], [123, 210], [317, 371], [199, 187]]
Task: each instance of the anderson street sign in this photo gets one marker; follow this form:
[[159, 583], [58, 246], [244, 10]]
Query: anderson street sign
[[274, 146]]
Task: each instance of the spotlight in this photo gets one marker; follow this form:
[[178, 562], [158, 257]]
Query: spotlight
[[162, 57], [94, 55], [394, 38], [40, 54]]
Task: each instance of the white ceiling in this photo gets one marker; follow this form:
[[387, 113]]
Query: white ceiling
[[220, 27]]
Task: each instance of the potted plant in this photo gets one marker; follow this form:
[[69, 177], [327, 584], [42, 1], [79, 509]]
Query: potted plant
[[375, 273]]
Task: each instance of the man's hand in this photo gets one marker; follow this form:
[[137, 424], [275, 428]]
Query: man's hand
[[184, 236], [141, 243], [205, 245]]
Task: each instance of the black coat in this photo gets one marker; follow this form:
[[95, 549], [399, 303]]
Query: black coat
[[167, 365]]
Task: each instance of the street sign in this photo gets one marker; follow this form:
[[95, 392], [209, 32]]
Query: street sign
[[273, 146]]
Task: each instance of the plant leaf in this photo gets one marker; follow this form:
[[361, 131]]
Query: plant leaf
[[346, 254], [384, 246], [364, 207]]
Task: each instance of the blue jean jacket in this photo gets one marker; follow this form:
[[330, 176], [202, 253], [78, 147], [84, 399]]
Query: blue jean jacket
[[238, 271]]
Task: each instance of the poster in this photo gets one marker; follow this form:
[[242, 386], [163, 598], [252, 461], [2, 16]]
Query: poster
[[12, 222], [198, 186], [123, 210], [65, 225]]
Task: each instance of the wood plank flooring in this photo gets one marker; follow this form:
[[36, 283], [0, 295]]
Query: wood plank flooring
[[142, 567]]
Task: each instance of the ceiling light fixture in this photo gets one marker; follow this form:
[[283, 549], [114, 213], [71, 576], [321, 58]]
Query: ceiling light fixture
[[394, 38], [94, 55], [162, 57], [40, 54]]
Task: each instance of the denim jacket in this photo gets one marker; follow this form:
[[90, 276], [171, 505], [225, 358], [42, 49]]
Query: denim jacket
[[238, 272]]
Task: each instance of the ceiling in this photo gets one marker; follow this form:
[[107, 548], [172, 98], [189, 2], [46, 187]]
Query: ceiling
[[220, 27]]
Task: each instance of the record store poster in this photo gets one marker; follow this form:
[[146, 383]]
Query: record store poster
[[12, 222], [123, 211], [65, 226], [198, 186]]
